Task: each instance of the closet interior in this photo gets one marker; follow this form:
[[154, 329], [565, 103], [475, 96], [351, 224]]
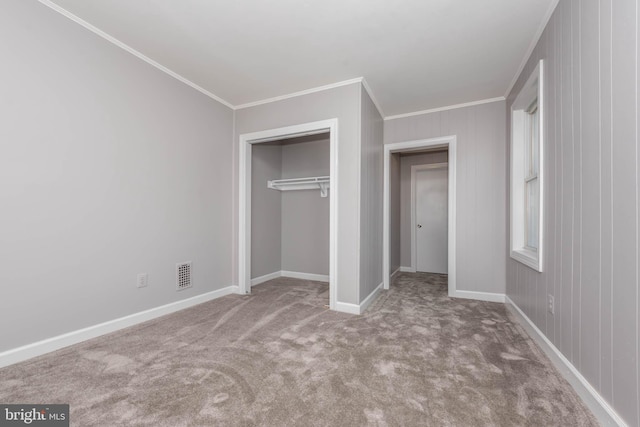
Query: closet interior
[[290, 182]]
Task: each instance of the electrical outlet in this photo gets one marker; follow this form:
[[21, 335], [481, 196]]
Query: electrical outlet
[[551, 304], [143, 280]]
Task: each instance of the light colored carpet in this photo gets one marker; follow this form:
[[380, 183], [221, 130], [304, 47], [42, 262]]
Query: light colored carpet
[[279, 358]]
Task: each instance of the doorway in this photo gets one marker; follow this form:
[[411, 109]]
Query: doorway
[[429, 213], [444, 143], [246, 142]]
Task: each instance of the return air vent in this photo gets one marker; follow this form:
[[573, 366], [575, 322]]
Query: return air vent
[[183, 275]]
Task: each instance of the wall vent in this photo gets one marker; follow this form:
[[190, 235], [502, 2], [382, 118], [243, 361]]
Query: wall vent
[[183, 275]]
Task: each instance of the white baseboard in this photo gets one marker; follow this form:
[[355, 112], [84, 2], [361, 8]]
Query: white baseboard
[[372, 296], [479, 296], [266, 278], [305, 276], [605, 414], [293, 274], [407, 269], [39, 348], [346, 307], [393, 275]]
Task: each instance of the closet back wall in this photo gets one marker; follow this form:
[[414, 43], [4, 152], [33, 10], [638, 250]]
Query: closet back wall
[[289, 229], [305, 215]]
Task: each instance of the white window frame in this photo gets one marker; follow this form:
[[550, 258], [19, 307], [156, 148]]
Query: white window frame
[[531, 92]]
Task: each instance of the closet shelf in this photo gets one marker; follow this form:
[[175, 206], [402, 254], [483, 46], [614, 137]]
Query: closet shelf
[[310, 183]]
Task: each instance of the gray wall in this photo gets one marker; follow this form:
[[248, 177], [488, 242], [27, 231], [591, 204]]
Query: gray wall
[[394, 213], [342, 103], [406, 161], [305, 215], [481, 182], [372, 145], [108, 168], [591, 202], [266, 208]]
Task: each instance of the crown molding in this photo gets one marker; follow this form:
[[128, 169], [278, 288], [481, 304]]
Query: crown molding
[[532, 46], [132, 51], [372, 96], [300, 93], [448, 107]]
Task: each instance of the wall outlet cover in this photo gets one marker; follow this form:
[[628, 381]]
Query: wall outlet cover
[[143, 280]]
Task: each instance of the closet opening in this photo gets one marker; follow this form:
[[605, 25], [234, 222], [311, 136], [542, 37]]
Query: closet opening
[[288, 211]]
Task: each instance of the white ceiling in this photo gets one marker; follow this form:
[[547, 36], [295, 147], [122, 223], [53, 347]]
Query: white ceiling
[[414, 54]]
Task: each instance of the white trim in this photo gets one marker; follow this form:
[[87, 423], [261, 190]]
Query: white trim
[[372, 96], [414, 241], [532, 89], [244, 198], [347, 307], [446, 141], [292, 274], [259, 280], [55, 343], [532, 46], [605, 414], [300, 93], [407, 270], [478, 296], [305, 276], [448, 107], [132, 51], [393, 275], [372, 296]]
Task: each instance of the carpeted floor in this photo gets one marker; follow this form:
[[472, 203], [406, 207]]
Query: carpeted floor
[[279, 358]]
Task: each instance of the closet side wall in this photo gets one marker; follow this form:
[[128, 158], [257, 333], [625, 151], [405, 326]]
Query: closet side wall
[[394, 213], [305, 215], [406, 161], [371, 194], [266, 207]]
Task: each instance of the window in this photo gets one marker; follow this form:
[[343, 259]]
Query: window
[[527, 172]]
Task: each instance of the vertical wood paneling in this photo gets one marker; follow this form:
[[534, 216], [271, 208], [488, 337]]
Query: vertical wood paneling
[[566, 306], [589, 336], [637, 216], [624, 207], [591, 233], [606, 207], [576, 321], [370, 196], [555, 133]]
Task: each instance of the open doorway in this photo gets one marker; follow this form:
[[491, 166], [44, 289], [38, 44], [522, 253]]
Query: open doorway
[[325, 185], [391, 228]]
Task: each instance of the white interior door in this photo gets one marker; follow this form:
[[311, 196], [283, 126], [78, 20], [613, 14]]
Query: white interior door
[[431, 188]]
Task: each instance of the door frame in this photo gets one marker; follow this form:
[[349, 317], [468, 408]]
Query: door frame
[[448, 142], [414, 238], [246, 141]]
